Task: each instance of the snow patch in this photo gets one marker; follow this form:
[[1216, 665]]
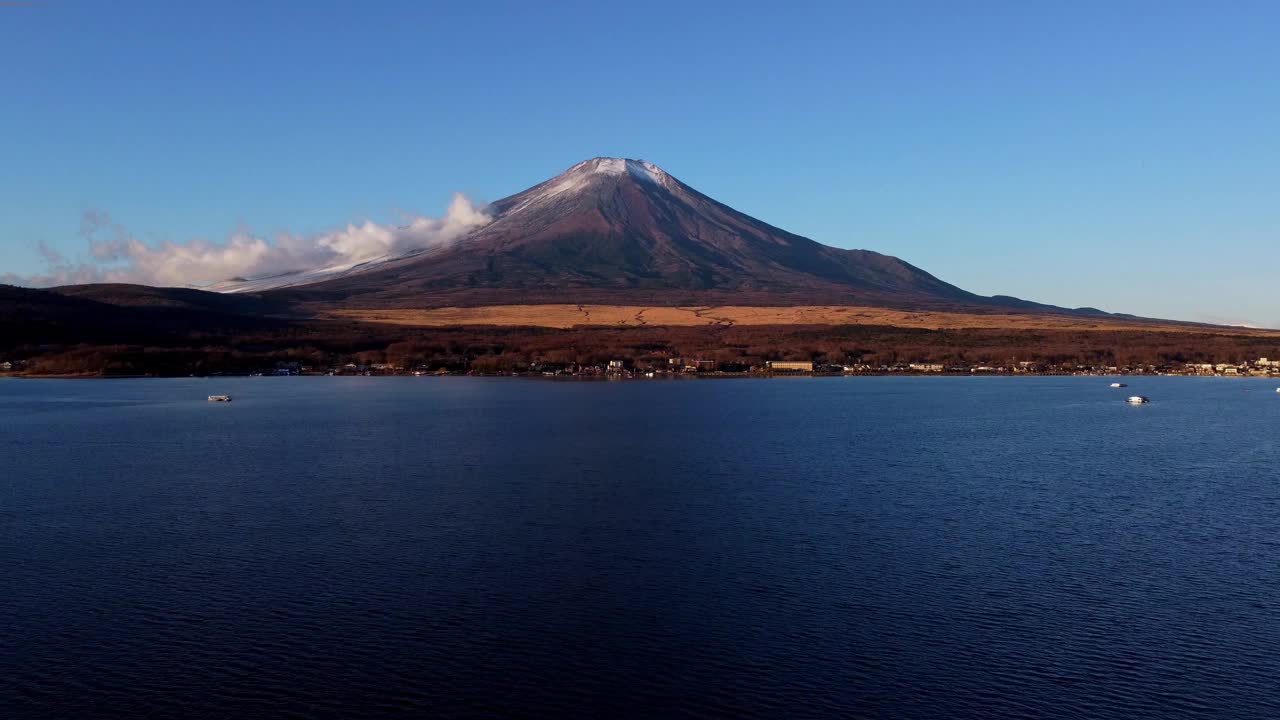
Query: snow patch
[[292, 277], [646, 171], [610, 166]]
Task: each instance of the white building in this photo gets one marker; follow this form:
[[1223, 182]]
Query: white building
[[791, 365]]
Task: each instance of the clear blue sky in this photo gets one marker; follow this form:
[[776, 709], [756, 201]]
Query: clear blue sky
[[1122, 155]]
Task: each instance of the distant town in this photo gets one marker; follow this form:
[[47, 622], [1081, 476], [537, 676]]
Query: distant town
[[694, 367], [1262, 367]]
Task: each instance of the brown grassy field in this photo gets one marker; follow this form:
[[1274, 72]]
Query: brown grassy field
[[567, 316]]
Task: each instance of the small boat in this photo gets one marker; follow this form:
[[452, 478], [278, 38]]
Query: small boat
[[1137, 400], [1118, 385], [219, 398]]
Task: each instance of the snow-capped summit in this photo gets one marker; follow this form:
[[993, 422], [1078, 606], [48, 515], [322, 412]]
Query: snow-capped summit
[[594, 175], [639, 169]]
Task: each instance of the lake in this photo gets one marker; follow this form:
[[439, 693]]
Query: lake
[[500, 547]]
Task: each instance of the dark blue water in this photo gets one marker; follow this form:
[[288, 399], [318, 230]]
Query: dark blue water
[[861, 547]]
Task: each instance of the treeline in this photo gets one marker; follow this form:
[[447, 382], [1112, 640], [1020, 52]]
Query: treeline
[[324, 344]]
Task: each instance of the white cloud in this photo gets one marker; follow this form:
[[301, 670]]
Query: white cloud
[[114, 255]]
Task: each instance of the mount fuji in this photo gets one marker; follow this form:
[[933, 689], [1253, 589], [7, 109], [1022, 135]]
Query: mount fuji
[[623, 231]]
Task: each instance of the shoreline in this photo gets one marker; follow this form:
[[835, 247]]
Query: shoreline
[[669, 377]]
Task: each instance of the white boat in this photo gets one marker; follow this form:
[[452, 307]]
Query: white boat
[[1137, 400], [219, 398], [1118, 385]]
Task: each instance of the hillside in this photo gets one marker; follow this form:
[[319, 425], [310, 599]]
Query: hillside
[[30, 317]]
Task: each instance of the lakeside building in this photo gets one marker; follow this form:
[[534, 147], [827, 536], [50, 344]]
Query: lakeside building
[[804, 366], [691, 365], [656, 363]]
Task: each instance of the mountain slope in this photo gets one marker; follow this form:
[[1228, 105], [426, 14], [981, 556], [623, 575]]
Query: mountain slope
[[188, 299], [120, 314], [610, 230]]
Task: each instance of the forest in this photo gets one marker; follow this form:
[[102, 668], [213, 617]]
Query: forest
[[330, 344]]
